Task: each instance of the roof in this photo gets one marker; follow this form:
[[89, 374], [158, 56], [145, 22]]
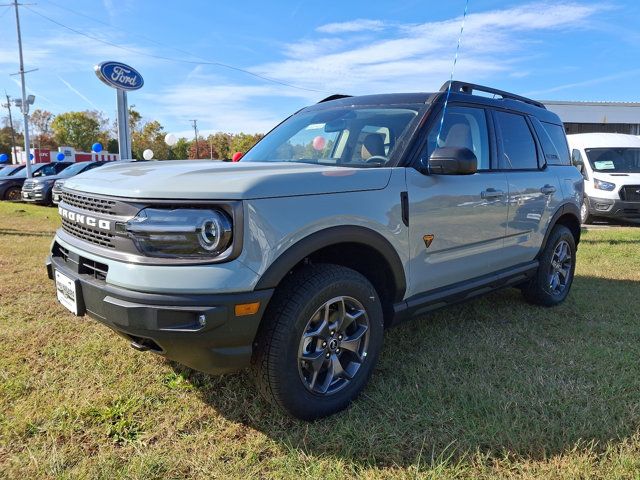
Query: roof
[[601, 140]]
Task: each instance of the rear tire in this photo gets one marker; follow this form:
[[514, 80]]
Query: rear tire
[[553, 279], [319, 341], [13, 194]]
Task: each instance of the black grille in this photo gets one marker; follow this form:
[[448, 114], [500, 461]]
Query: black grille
[[60, 251], [96, 269], [87, 234], [85, 202], [80, 264], [630, 193]]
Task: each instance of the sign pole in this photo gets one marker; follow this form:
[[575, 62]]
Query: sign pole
[[124, 140]]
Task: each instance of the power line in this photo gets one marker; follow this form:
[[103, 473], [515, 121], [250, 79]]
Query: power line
[[136, 34], [169, 59]]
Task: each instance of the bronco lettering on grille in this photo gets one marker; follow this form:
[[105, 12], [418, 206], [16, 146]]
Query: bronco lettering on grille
[[87, 220]]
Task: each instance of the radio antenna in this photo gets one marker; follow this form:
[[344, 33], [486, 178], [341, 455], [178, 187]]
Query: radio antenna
[[453, 69]]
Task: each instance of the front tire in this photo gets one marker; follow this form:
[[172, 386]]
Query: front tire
[[13, 194], [553, 279], [319, 341]]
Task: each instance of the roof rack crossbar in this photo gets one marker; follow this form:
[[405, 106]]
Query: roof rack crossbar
[[464, 87], [335, 96]]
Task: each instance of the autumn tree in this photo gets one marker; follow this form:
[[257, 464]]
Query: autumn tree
[[204, 149], [180, 150], [242, 142], [40, 121], [76, 129], [5, 139], [150, 136], [220, 145]]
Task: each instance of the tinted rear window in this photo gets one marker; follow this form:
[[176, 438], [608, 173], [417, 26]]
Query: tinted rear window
[[554, 143], [518, 147]]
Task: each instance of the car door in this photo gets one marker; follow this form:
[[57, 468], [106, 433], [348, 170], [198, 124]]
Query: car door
[[457, 223], [534, 189]]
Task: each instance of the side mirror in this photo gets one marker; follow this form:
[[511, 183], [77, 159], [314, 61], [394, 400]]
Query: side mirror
[[576, 160], [236, 157], [453, 161]]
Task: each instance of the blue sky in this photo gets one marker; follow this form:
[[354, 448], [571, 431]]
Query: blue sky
[[579, 50]]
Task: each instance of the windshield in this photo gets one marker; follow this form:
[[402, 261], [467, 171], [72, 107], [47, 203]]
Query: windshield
[[614, 160], [8, 171], [37, 171], [75, 169], [343, 136]]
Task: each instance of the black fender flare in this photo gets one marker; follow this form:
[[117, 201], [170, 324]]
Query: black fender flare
[[564, 209], [293, 255]]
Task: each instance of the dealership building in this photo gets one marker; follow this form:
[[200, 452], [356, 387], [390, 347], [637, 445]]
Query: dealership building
[[590, 117]]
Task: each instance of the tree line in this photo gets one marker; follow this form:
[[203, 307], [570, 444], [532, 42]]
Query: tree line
[[81, 130]]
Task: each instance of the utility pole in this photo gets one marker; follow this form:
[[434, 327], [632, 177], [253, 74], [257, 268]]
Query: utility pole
[[195, 130], [24, 104], [13, 132]]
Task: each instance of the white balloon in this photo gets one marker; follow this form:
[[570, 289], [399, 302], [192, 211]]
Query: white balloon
[[147, 154], [170, 139]]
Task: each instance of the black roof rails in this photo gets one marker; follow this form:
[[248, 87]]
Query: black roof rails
[[464, 87], [335, 96]]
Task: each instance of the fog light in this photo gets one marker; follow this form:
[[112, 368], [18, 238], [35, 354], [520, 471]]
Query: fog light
[[243, 309], [602, 206], [202, 320]]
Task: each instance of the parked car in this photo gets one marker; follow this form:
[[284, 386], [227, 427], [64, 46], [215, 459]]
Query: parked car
[[56, 191], [40, 189], [10, 187], [350, 216], [8, 170], [610, 165]]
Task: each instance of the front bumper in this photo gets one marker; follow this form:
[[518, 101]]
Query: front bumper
[[34, 196], [168, 324], [608, 207]]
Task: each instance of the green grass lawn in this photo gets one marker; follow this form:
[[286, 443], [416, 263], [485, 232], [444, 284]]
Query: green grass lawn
[[491, 388]]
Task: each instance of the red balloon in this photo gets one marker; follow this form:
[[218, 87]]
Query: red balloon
[[236, 157], [319, 143]]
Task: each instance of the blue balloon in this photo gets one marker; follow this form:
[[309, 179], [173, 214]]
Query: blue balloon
[[3, 157], [60, 156], [96, 147]]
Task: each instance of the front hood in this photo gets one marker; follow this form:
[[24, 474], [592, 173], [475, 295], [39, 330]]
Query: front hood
[[193, 179]]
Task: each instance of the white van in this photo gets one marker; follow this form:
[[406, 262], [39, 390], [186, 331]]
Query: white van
[[610, 165]]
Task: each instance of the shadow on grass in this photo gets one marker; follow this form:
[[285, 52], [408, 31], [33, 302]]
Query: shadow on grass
[[495, 376], [622, 241], [22, 233]]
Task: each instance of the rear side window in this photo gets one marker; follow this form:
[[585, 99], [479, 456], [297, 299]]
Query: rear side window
[[518, 147], [556, 134]]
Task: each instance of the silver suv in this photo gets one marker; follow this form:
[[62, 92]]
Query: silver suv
[[350, 216]]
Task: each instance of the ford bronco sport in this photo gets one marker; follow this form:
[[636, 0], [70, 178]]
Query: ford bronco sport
[[348, 217]]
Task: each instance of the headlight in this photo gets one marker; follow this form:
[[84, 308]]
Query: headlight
[[41, 185], [180, 233], [602, 185]]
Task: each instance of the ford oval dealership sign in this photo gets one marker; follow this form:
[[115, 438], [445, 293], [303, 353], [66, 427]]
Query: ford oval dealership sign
[[120, 76]]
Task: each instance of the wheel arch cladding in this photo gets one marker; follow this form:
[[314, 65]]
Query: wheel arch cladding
[[358, 248], [568, 215]]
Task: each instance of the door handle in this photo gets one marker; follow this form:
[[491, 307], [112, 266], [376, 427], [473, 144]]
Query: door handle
[[548, 189], [491, 193]]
